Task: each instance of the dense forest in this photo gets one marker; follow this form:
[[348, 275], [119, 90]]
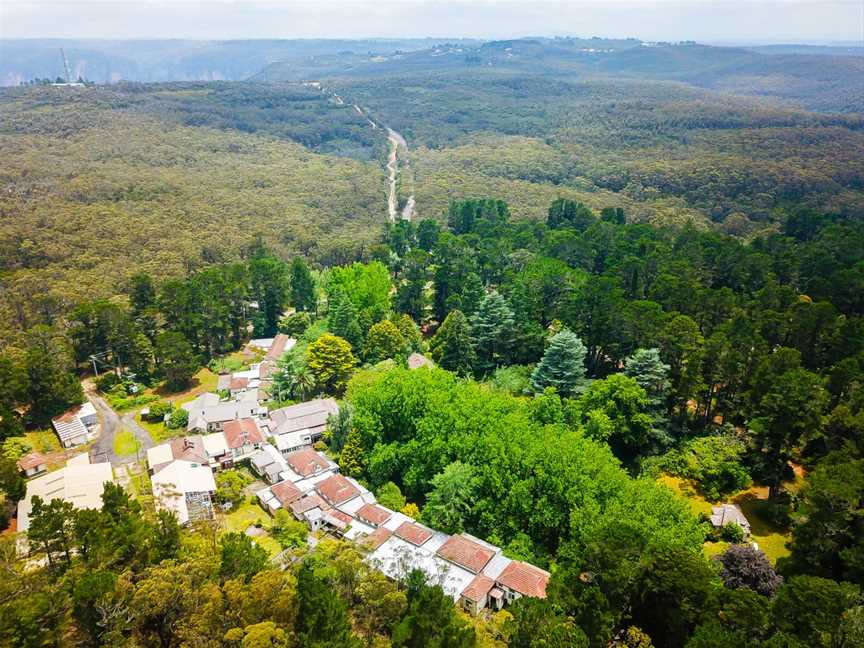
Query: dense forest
[[579, 358], [104, 182]]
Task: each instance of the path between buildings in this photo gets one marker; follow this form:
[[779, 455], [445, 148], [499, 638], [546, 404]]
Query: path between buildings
[[110, 425]]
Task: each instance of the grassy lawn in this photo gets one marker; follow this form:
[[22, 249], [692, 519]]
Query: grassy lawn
[[159, 432], [248, 514], [770, 538], [125, 443], [43, 441], [203, 381]]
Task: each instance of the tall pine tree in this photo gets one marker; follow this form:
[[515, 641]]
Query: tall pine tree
[[452, 347], [344, 320], [493, 330], [302, 286], [652, 374], [562, 366]]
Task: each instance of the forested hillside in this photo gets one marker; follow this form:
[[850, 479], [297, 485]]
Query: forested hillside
[[672, 148], [102, 183]]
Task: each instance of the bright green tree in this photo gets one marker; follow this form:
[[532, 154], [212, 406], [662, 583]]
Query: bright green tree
[[452, 498], [352, 459], [390, 496], [562, 365], [384, 341], [331, 362]]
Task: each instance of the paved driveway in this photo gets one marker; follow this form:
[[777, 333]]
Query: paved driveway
[[111, 423]]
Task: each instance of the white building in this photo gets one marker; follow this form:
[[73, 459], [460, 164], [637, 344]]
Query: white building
[[186, 489], [76, 426]]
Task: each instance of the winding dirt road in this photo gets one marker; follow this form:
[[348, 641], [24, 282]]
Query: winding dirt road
[[396, 141]]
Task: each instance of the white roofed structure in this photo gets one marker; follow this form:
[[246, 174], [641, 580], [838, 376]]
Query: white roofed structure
[[80, 484], [184, 487]]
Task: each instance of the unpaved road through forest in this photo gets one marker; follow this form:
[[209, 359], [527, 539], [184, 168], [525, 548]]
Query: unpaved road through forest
[[396, 142]]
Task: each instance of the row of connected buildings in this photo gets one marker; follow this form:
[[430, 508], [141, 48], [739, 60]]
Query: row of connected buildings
[[474, 573]]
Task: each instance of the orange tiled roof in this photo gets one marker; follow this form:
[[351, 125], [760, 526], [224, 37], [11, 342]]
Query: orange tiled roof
[[240, 432], [32, 460], [465, 553], [306, 462], [478, 588], [526, 579], [413, 533], [376, 538], [374, 515], [286, 492], [337, 489]]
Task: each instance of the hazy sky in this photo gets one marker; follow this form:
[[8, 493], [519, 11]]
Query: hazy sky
[[705, 20]]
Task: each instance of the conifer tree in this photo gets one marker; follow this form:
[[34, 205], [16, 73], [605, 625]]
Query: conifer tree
[[302, 286], [410, 332], [650, 372], [344, 320], [562, 365], [352, 459], [411, 293], [493, 330], [452, 348]]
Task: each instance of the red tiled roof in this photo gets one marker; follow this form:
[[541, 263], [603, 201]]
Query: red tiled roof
[[307, 503], [278, 347], [189, 448], [526, 579], [341, 515], [306, 462], [413, 533], [465, 553], [32, 460], [336, 489], [374, 515], [240, 432], [266, 369], [286, 492], [238, 383], [376, 538], [478, 588]]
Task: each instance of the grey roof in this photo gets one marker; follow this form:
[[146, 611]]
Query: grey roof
[[726, 513], [311, 415]]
